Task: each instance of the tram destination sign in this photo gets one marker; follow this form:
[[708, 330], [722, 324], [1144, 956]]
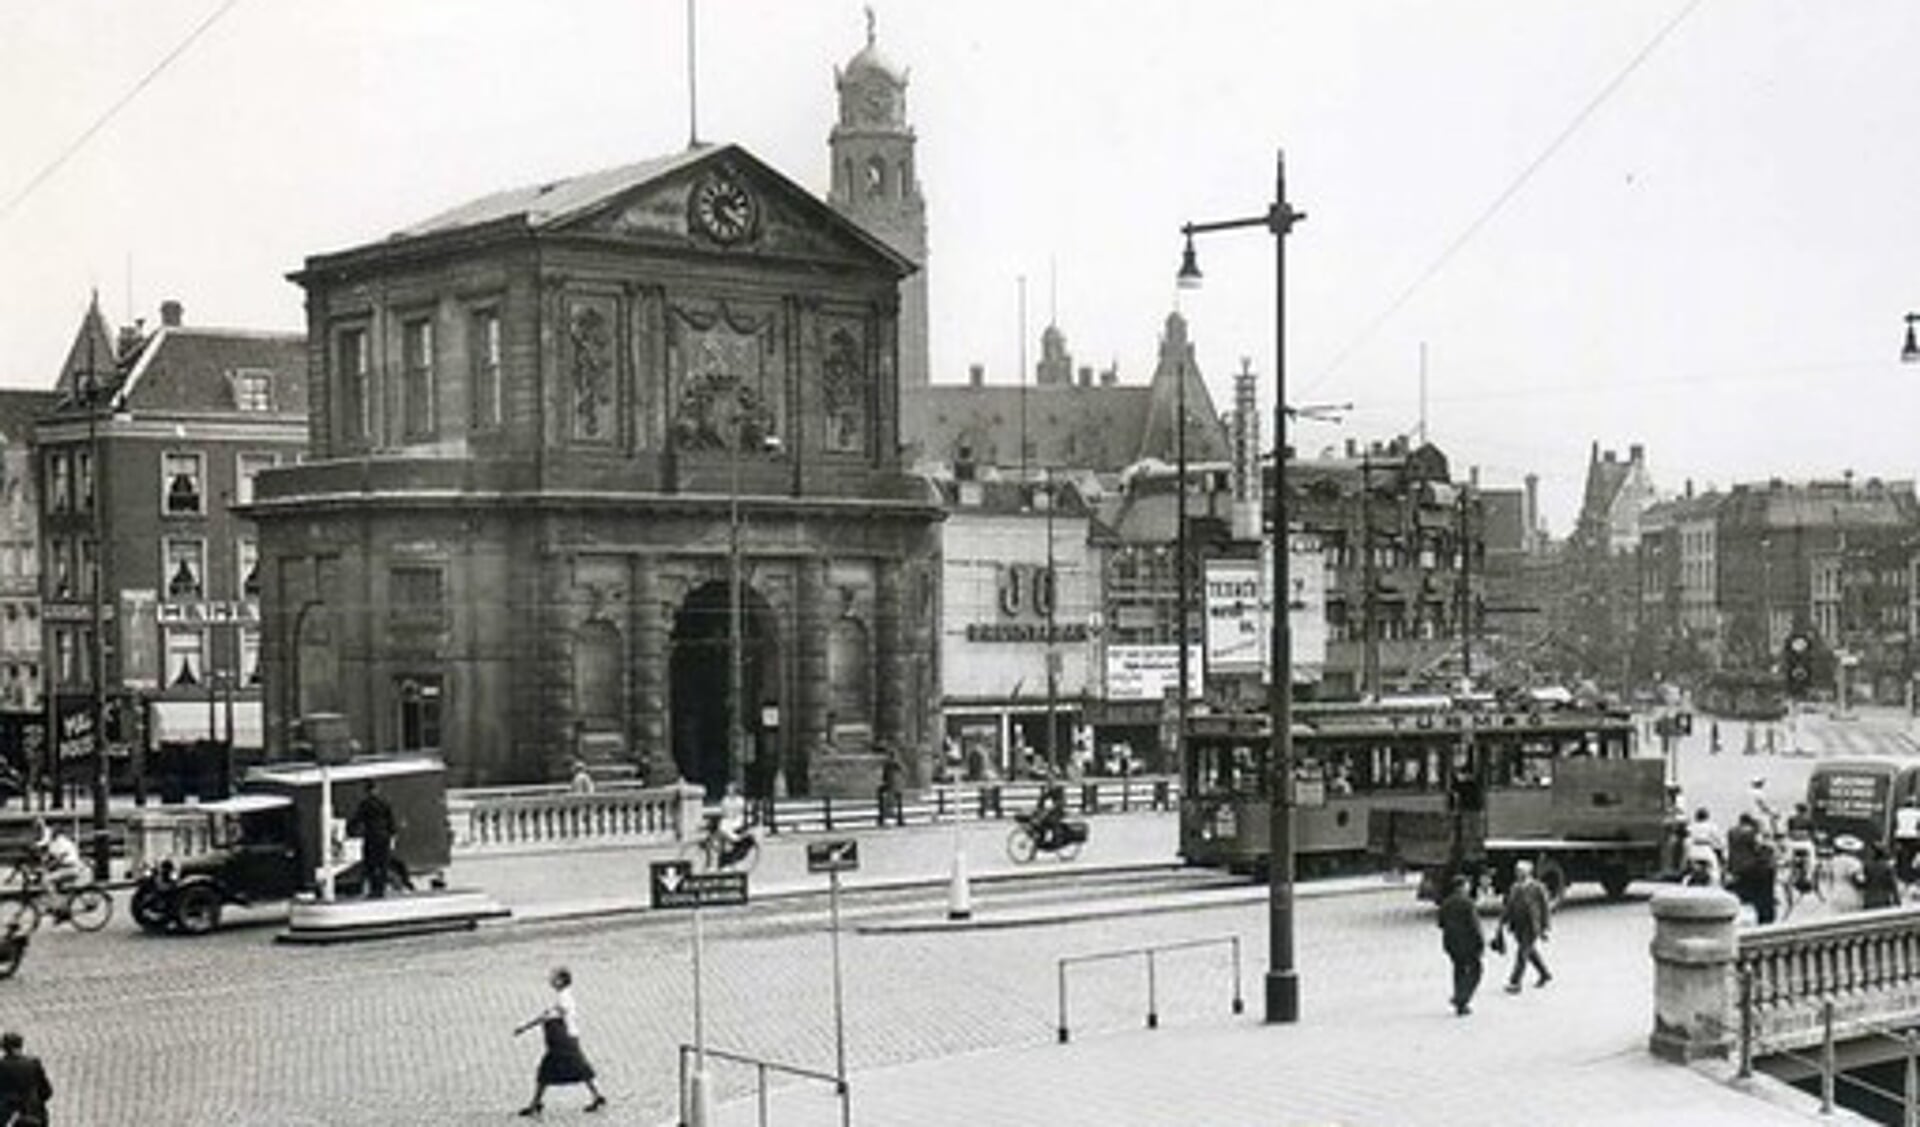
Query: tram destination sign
[[833, 856], [674, 884]]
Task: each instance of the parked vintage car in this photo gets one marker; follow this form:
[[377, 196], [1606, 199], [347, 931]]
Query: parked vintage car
[[266, 842]]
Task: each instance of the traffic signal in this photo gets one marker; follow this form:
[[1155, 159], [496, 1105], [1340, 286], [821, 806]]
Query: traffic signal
[[1796, 664]]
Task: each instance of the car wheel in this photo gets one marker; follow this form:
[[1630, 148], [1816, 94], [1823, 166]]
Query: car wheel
[[196, 910]]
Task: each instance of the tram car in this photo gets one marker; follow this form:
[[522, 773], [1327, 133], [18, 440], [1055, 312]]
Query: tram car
[[1434, 784]]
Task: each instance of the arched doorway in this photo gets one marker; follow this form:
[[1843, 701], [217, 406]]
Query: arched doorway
[[698, 675]]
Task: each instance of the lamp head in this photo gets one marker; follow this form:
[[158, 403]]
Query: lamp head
[[1910, 352], [1189, 276]]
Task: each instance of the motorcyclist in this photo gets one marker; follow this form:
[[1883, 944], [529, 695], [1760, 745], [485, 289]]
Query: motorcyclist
[[1049, 816]]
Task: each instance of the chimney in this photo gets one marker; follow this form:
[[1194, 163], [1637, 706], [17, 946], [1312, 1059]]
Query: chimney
[[1353, 449], [170, 313], [1473, 476], [131, 339], [1086, 375], [1689, 493], [1636, 453], [977, 375], [1607, 457], [1110, 376], [1532, 516]]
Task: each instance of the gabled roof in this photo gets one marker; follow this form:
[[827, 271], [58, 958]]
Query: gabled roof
[[92, 354], [1206, 438], [556, 201], [191, 370], [642, 201], [1095, 428]]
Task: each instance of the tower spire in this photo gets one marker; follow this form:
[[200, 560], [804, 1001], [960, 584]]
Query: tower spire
[[869, 10]]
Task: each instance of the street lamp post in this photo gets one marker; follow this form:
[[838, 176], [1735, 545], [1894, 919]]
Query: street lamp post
[[91, 390], [1910, 350], [1283, 984]]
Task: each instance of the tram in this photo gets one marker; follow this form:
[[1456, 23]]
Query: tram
[[1434, 784]]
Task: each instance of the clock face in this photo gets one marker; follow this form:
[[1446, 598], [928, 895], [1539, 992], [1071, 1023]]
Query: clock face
[[722, 209]]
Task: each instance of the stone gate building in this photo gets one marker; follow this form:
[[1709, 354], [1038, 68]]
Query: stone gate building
[[547, 427]]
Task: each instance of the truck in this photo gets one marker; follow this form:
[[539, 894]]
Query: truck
[[266, 842], [1608, 820]]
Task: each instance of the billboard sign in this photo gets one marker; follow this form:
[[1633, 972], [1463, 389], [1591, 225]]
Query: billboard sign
[[1151, 672]]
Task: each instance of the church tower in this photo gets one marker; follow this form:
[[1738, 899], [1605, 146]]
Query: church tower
[[874, 184]]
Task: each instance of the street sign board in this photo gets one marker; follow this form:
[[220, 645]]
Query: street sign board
[[674, 884], [833, 856]]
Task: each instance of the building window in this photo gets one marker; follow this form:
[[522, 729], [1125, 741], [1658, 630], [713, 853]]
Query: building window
[[61, 553], [252, 390], [184, 494], [83, 480], [876, 178], [419, 701], [87, 567], [247, 567], [484, 347], [186, 657], [246, 467], [250, 657], [60, 483], [186, 570], [417, 595], [351, 362], [416, 353], [66, 665]]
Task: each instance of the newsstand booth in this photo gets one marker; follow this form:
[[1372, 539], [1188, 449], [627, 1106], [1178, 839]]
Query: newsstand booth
[[415, 786]]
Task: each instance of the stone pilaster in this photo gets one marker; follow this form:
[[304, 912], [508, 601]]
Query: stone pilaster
[[890, 655], [554, 672], [809, 723], [648, 690]]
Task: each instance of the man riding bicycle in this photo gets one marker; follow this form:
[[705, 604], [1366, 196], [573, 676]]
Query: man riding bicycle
[[1049, 815]]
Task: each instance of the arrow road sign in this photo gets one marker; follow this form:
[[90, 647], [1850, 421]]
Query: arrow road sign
[[674, 884], [833, 856]]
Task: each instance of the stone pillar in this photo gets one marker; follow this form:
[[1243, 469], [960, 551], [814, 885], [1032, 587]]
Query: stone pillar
[[1695, 997], [809, 721], [554, 726], [889, 655], [648, 693]]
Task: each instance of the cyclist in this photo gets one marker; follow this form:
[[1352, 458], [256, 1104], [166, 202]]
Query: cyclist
[[1906, 838], [727, 827], [59, 858], [1049, 815], [1706, 844]]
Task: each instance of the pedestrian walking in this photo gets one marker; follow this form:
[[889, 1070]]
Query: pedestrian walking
[[1879, 885], [562, 1062], [582, 781], [1750, 865], [1462, 939], [891, 775], [24, 1088], [373, 823], [1528, 917]]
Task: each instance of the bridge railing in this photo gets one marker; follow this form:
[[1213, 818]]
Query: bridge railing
[[554, 815], [1858, 972]]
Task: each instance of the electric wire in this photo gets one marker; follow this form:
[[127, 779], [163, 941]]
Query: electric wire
[[73, 148], [1500, 201]]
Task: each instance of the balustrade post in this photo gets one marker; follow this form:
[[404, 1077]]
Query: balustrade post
[[1694, 946], [1826, 1058], [1746, 1024]]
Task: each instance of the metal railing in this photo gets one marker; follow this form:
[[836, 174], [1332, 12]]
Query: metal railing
[[762, 1068], [1153, 989], [1826, 1065]]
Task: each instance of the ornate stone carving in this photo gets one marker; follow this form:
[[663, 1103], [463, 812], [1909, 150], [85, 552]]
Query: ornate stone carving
[[721, 404], [844, 394], [590, 340]]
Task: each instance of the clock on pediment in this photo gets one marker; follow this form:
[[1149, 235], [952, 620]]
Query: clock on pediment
[[722, 208]]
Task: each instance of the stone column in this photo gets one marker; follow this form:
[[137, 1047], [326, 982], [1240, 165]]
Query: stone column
[[1695, 998], [809, 720], [648, 710], [554, 728], [889, 654]]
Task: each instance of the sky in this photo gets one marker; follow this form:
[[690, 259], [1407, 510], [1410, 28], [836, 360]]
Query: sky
[[1685, 224]]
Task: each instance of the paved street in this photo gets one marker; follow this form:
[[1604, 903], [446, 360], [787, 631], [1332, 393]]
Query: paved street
[[943, 1026]]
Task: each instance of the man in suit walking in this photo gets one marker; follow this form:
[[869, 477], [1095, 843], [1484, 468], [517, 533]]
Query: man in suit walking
[[1529, 918], [24, 1089], [1463, 941]]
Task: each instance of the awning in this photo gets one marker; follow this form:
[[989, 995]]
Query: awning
[[184, 721]]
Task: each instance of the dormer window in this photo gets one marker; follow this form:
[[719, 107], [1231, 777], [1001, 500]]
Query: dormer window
[[183, 493], [252, 390]]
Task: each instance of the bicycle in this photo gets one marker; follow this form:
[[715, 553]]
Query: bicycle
[[712, 852], [87, 907]]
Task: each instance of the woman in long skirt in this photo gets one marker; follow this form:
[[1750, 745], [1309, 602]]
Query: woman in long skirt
[[563, 1062]]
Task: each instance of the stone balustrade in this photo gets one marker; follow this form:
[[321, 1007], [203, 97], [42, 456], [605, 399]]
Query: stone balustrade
[[1866, 963], [531, 817]]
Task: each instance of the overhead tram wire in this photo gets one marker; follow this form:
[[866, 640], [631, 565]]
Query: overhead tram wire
[[1512, 189], [73, 148]]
